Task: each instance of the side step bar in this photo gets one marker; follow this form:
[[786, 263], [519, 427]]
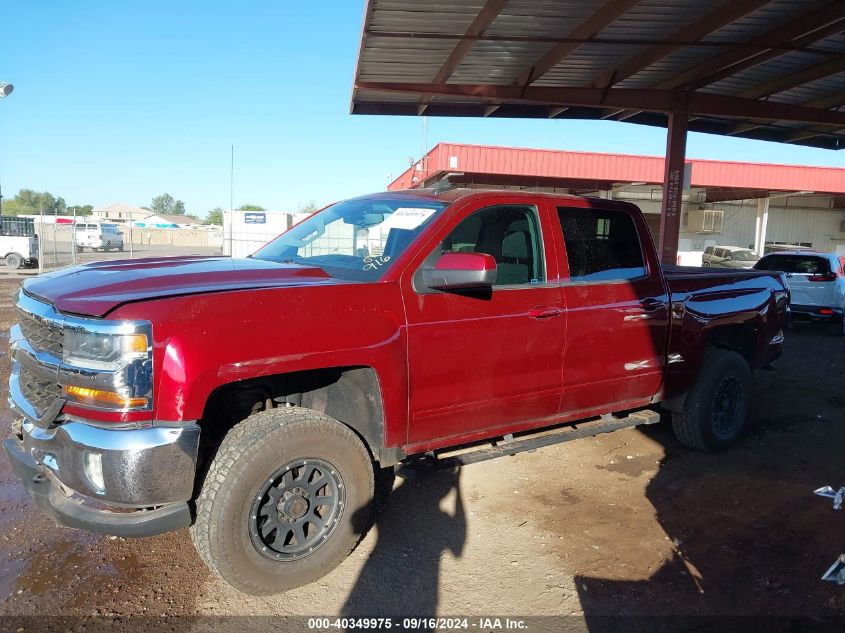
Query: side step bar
[[536, 439]]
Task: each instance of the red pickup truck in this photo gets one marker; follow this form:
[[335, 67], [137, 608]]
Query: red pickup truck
[[254, 399]]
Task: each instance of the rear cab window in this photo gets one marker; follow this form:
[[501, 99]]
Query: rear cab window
[[601, 245], [795, 264]]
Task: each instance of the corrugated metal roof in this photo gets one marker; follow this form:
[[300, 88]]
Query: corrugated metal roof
[[790, 52], [614, 168]]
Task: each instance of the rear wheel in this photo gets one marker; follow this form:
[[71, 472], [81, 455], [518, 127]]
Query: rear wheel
[[715, 409], [13, 260], [285, 500]]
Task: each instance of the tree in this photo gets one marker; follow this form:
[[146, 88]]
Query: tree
[[309, 207], [80, 209], [165, 204], [250, 207], [215, 216], [29, 202]]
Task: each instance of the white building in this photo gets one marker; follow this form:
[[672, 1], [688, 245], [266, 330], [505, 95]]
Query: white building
[[244, 232], [119, 212]]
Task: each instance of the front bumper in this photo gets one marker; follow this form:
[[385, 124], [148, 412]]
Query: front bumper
[[147, 475], [72, 511]]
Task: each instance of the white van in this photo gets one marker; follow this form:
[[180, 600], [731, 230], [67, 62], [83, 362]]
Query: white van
[[97, 236]]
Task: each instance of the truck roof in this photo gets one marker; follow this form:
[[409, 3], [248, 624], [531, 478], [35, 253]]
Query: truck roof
[[458, 193]]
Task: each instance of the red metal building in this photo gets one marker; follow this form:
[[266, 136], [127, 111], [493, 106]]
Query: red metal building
[[807, 204]]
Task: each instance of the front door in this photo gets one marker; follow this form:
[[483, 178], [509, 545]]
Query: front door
[[480, 361]]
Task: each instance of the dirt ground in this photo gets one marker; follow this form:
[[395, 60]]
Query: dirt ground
[[625, 523]]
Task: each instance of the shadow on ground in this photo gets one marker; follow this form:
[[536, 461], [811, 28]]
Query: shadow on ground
[[748, 535], [424, 516]]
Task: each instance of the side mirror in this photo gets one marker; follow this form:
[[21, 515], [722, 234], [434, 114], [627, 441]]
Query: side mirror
[[457, 271]]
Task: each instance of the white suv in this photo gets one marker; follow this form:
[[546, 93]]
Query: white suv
[[816, 284], [97, 236]]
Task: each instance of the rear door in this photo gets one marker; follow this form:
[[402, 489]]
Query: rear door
[[617, 309], [809, 277]]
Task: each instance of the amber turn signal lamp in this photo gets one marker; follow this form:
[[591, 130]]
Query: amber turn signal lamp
[[95, 397]]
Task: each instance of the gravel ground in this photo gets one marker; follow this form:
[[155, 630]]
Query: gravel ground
[[625, 523]]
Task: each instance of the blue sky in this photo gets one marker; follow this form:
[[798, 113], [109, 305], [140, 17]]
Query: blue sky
[[122, 101]]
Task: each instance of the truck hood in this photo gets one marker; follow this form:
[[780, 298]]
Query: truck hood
[[98, 288]]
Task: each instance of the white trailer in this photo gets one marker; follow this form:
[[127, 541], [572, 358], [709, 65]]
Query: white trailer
[[18, 251]]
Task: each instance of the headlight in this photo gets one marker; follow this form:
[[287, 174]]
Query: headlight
[[108, 366], [107, 352]]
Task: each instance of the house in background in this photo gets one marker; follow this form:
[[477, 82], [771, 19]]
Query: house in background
[[119, 212], [156, 221]]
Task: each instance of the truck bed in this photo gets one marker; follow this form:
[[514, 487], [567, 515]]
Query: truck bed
[[683, 280]]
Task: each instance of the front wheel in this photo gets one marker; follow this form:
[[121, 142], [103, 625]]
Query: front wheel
[[716, 407], [286, 499]]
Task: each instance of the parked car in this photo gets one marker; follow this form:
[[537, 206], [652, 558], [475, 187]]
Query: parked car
[[97, 236], [816, 283], [780, 248], [728, 257], [255, 398]]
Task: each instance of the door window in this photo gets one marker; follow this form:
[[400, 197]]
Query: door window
[[511, 234], [601, 245]]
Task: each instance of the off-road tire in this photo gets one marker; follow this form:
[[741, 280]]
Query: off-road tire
[[694, 424], [250, 453]]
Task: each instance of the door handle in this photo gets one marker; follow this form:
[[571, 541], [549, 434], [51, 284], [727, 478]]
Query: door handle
[[544, 312], [652, 305]]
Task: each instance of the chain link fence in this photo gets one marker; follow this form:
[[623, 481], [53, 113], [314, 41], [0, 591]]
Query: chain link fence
[[244, 243], [57, 248]]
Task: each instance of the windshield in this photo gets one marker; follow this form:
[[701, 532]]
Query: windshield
[[744, 256], [356, 239]]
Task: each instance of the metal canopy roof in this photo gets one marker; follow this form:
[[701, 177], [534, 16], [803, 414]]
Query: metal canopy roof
[[762, 69]]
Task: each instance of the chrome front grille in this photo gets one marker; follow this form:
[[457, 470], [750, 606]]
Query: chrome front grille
[[39, 393], [43, 336]]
